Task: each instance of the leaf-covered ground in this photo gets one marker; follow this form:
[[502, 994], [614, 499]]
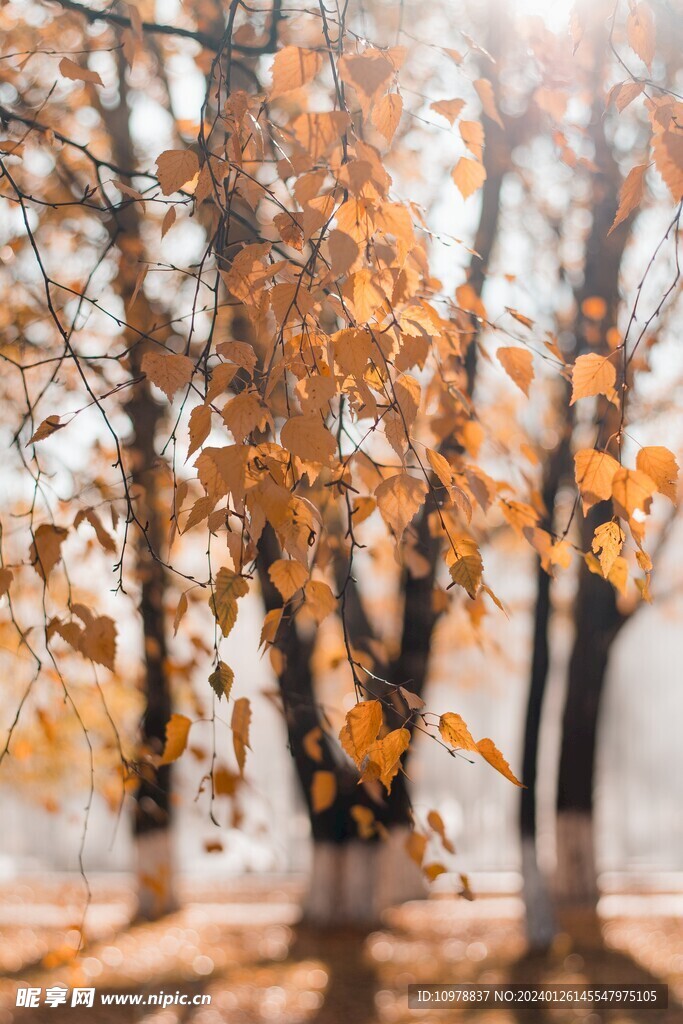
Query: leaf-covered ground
[[242, 944]]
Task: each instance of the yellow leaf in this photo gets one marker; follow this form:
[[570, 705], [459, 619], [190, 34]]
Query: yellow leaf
[[441, 467], [450, 109], [175, 168], [323, 791], [246, 413], [199, 427], [320, 601], [386, 115], [318, 133], [46, 549], [343, 252], [292, 68], [288, 576], [465, 565], [632, 492], [363, 723], [607, 542], [432, 871], [383, 758], [399, 498], [518, 363], [48, 427], [308, 438], [416, 846], [488, 99], [180, 613], [367, 297], [228, 587], [469, 176], [167, 371], [640, 32], [660, 464], [472, 134], [241, 719], [594, 472], [630, 194], [367, 72], [69, 69], [667, 149], [489, 751], [618, 575], [593, 375], [221, 680], [454, 731], [435, 822], [177, 730]]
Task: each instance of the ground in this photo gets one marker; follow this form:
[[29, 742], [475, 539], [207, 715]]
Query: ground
[[242, 943]]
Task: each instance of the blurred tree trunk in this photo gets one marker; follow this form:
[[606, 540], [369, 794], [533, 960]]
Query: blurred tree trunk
[[153, 796]]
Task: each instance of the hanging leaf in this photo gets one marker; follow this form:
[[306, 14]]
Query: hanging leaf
[[177, 731]]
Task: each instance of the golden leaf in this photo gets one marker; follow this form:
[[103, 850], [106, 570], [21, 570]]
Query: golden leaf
[[518, 363], [383, 759], [593, 375], [177, 730], [343, 252], [288, 576], [630, 194], [228, 587], [246, 413], [416, 847], [490, 752], [318, 133], [292, 68], [450, 109], [660, 464], [48, 427], [667, 148], [632, 491], [320, 601], [221, 680], [435, 822], [367, 72], [386, 115], [432, 871], [488, 100], [69, 69], [607, 542], [175, 168], [469, 176], [454, 731], [167, 371], [365, 821], [594, 473], [640, 32], [199, 426], [239, 723], [308, 438], [46, 549], [399, 499], [363, 723], [180, 613], [323, 791], [465, 565], [312, 744]]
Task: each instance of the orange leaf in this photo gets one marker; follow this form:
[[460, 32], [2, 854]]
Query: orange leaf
[[594, 473], [175, 168], [241, 719], [593, 375], [288, 576], [454, 731], [177, 730], [323, 791], [492, 754], [630, 194], [518, 363], [660, 464], [69, 69], [469, 176], [363, 723], [292, 68]]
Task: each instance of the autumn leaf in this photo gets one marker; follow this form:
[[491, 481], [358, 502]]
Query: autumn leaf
[[435, 822], [221, 680], [593, 375], [450, 109], [469, 176], [292, 68], [46, 549], [175, 168], [6, 577], [667, 149], [365, 821], [386, 115], [241, 719], [308, 438], [312, 744], [607, 542], [454, 732], [594, 471], [199, 427], [168, 371], [416, 847], [383, 758], [399, 499], [323, 791], [288, 575], [177, 731], [490, 752], [632, 492], [69, 69], [320, 601], [228, 587], [487, 97], [363, 723], [318, 133], [518, 363], [48, 427], [465, 565], [640, 32], [631, 194], [660, 465]]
